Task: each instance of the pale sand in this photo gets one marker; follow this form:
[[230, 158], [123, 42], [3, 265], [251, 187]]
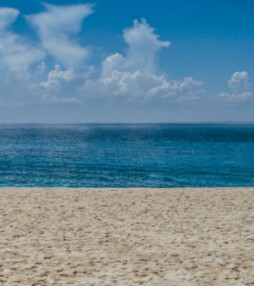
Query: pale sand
[[127, 237]]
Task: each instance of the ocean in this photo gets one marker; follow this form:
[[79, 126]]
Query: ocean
[[127, 155]]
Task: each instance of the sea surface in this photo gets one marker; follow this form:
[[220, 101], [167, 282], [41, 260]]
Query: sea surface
[[148, 155]]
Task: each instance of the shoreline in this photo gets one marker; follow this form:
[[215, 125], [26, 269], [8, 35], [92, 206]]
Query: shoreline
[[126, 236], [132, 188]]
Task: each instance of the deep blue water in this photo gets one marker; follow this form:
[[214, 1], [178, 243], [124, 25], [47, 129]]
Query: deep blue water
[[157, 155]]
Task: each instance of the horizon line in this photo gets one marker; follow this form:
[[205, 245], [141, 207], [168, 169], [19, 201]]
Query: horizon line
[[127, 123]]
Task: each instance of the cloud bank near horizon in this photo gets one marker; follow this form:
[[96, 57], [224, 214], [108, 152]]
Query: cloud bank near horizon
[[54, 68]]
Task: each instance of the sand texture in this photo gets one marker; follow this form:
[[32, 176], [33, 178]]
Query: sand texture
[[126, 237]]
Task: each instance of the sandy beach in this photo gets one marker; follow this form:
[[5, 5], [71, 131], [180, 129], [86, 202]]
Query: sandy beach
[[126, 237]]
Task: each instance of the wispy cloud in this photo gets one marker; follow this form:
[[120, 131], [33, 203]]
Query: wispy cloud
[[17, 55], [54, 27], [15, 51]]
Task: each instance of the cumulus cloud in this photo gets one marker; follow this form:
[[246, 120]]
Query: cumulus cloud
[[135, 74], [62, 85], [239, 84], [55, 26], [188, 88], [143, 46], [56, 76], [239, 80], [28, 77]]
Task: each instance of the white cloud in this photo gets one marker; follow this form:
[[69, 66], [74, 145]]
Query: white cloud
[[135, 75], [54, 27], [56, 76], [239, 84], [62, 85], [235, 96], [15, 52], [188, 88], [17, 55], [239, 80], [143, 47], [22, 66], [26, 75], [7, 17]]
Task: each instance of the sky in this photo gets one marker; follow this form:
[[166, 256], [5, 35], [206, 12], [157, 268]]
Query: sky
[[126, 61]]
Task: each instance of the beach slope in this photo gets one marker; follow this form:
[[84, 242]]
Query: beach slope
[[127, 236]]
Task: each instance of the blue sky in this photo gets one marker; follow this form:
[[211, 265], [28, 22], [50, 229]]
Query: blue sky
[[139, 61]]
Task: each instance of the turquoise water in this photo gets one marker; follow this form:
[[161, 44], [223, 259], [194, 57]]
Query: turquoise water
[[157, 155]]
